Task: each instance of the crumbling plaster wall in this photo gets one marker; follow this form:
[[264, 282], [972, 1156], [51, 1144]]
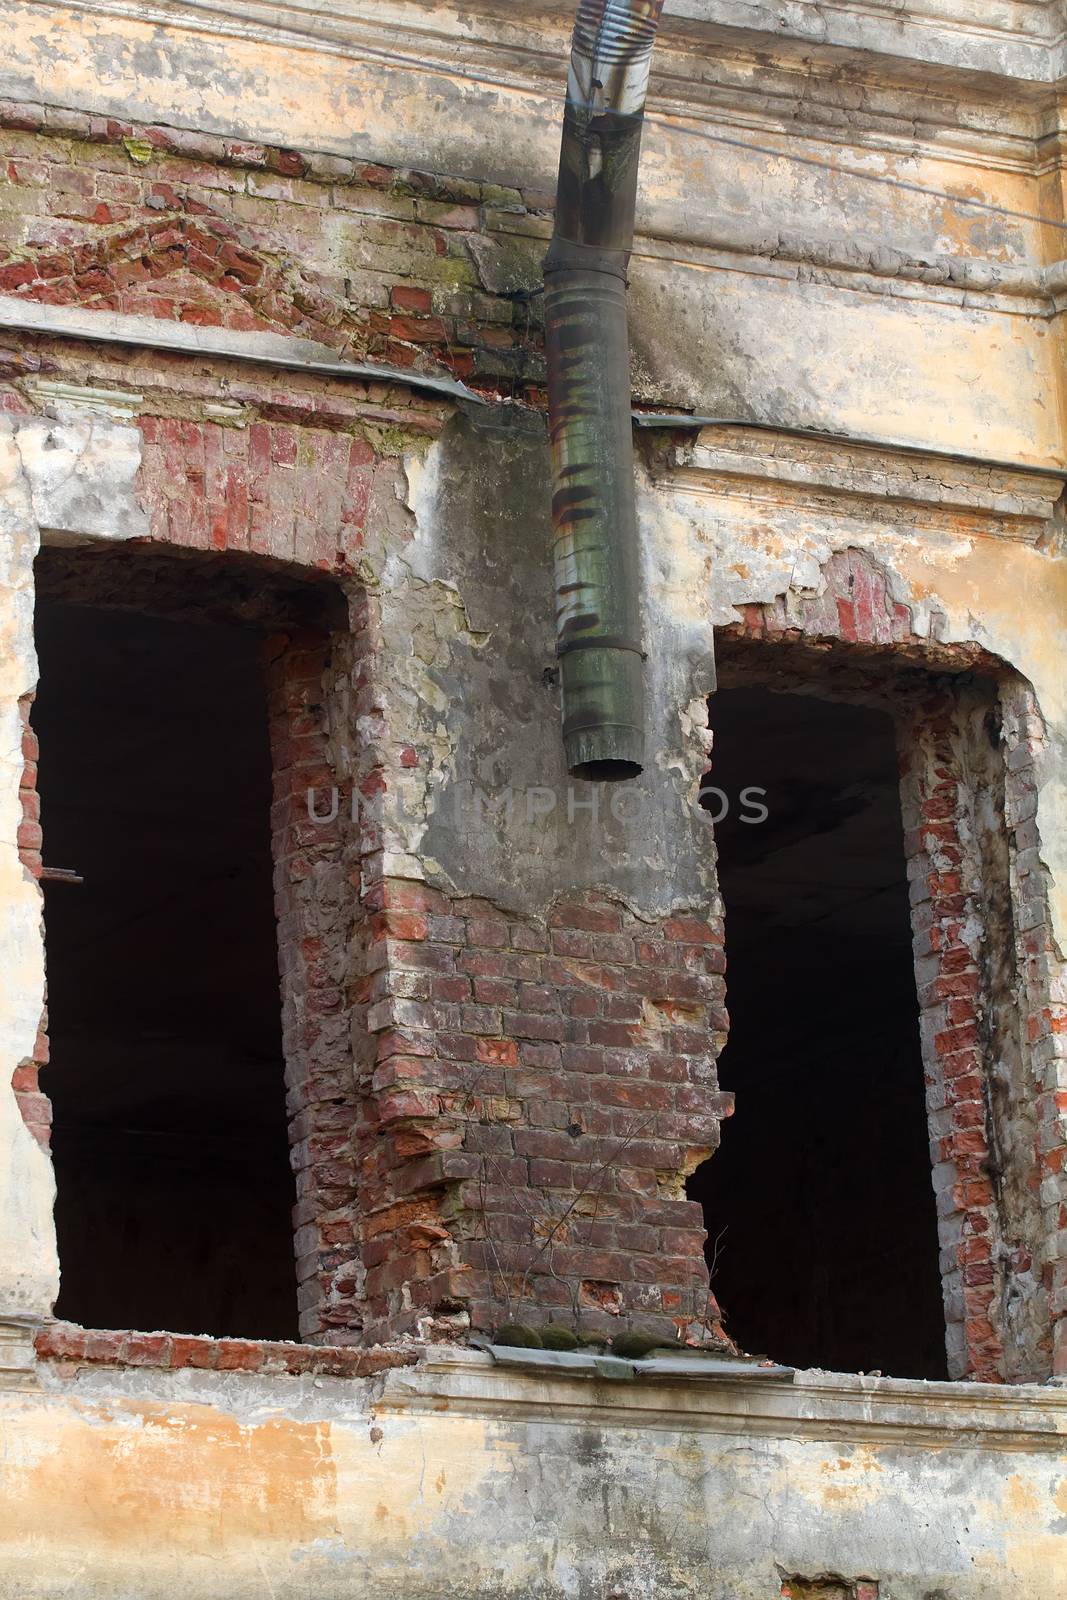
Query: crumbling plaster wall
[[502, 818], [803, 296], [28, 1263], [976, 557], [453, 1477], [68, 477], [973, 555], [284, 1482], [870, 296], [732, 521]]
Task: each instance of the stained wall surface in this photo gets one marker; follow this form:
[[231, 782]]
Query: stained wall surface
[[851, 444]]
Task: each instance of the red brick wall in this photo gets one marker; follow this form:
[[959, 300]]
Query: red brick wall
[[63, 1342], [501, 1067], [298, 495], [314, 901], [531, 1104], [947, 913], [291, 479], [994, 1052], [165, 223], [490, 1116], [35, 1107]]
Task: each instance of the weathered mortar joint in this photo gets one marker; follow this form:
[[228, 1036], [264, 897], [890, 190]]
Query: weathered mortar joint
[[71, 1348], [177, 239], [521, 1171]]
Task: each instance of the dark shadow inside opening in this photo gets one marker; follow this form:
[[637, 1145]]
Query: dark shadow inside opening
[[166, 1073], [819, 1203]]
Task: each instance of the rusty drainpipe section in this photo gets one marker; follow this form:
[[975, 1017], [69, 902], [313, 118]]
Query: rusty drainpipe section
[[594, 512]]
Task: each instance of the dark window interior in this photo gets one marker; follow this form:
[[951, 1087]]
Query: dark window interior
[[819, 1203], [166, 1074]]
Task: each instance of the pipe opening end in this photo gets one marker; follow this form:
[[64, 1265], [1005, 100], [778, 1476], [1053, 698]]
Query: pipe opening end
[[607, 771]]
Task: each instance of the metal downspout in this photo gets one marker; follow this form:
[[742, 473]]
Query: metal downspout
[[594, 514]]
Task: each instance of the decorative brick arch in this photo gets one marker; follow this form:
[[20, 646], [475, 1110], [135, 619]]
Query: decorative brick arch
[[995, 1056]]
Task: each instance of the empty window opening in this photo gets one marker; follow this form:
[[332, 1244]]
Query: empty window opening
[[819, 1202], [166, 1074]]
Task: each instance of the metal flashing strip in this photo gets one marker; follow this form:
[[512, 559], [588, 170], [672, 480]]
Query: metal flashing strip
[[267, 349], [289, 353], [578, 1363]]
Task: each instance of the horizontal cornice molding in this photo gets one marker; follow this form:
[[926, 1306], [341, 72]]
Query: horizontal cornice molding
[[705, 68], [104, 363], [823, 1406], [452, 1381], [1021, 39], [711, 242], [284, 351], [900, 488]]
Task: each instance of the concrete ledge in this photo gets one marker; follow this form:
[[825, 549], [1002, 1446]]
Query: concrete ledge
[[842, 1407], [455, 1477], [1008, 500]]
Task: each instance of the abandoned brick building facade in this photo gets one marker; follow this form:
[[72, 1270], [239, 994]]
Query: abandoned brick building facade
[[764, 1051]]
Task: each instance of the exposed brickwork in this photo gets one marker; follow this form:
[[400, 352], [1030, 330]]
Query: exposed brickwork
[[854, 606], [829, 1589], [299, 495], [981, 923], [369, 260], [533, 1098], [315, 906], [295, 494], [505, 1074], [986, 976], [526, 1099], [29, 837], [291, 475], [948, 919], [62, 1342], [35, 1107]]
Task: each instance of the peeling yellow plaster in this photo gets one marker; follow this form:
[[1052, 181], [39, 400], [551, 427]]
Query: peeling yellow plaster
[[139, 1477], [281, 1489]]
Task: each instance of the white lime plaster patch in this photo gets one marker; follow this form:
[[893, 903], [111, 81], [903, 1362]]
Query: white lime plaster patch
[[81, 471], [29, 1269], [74, 477]]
